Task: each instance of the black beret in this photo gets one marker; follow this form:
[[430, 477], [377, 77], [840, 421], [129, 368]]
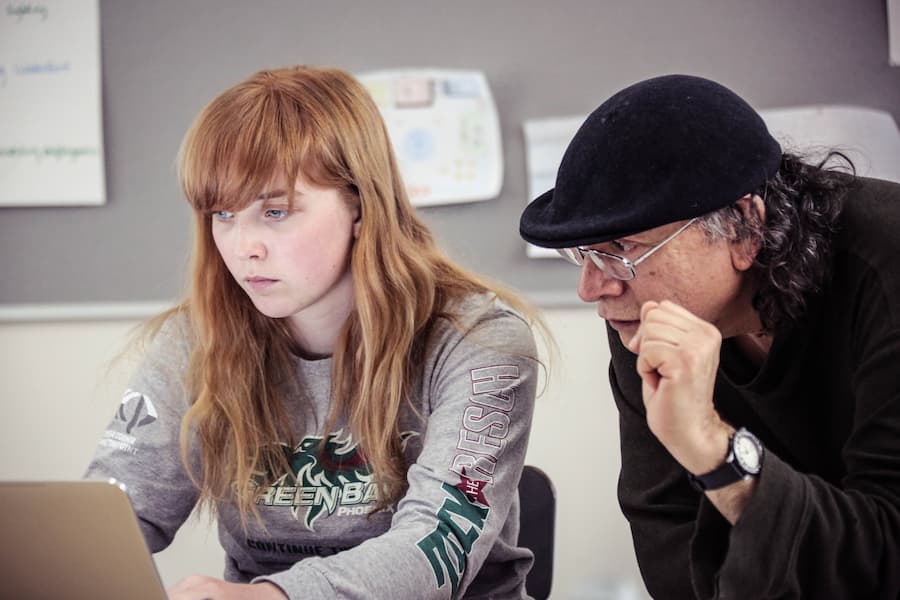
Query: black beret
[[662, 150]]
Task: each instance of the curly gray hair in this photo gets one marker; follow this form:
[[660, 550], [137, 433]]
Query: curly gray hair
[[803, 202]]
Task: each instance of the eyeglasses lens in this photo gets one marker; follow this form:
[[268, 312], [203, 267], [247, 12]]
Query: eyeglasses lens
[[572, 255]]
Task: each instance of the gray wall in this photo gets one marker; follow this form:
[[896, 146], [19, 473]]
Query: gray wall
[[163, 60]]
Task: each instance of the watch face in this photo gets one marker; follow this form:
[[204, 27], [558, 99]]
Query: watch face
[[747, 453]]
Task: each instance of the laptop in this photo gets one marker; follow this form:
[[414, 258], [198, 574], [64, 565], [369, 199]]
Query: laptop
[[78, 540]]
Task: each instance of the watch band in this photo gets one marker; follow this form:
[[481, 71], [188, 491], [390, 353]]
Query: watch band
[[725, 474]]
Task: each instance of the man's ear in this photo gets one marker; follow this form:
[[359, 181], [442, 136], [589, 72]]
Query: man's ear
[[743, 253]]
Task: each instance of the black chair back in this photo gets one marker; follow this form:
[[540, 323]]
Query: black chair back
[[537, 522]]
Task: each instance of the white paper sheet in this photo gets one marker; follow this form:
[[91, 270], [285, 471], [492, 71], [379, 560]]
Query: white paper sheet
[[445, 132], [869, 137], [546, 141], [51, 150]]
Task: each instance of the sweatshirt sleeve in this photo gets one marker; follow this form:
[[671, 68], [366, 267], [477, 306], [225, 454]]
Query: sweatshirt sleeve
[[455, 530], [140, 446]]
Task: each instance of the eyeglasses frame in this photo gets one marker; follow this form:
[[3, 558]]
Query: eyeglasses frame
[[597, 256]]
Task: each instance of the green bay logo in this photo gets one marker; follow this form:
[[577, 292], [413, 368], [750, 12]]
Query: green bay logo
[[327, 475]]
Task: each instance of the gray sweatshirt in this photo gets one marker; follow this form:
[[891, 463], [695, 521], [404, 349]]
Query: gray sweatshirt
[[452, 535]]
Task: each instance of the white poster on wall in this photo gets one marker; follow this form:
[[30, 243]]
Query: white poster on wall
[[51, 149], [869, 137], [546, 141], [444, 128]]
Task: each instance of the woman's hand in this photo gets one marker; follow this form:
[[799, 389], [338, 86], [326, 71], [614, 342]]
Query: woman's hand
[[198, 587]]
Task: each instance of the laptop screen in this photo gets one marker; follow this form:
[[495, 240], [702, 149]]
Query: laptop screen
[[78, 540]]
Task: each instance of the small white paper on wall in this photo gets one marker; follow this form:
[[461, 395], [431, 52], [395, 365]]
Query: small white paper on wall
[[444, 128], [51, 149]]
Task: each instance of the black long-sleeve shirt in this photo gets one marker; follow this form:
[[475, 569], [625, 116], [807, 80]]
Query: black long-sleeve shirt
[[824, 519]]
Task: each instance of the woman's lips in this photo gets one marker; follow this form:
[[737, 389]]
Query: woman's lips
[[259, 284]]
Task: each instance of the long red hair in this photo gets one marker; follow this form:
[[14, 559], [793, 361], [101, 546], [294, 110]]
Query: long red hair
[[321, 123]]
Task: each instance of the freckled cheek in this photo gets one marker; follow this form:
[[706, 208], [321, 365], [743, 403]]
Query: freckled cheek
[[217, 238], [220, 242], [315, 259], [302, 256]]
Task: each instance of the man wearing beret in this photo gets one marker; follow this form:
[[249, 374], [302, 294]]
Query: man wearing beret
[[752, 305]]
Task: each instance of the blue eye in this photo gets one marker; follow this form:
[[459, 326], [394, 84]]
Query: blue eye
[[277, 214], [222, 215]]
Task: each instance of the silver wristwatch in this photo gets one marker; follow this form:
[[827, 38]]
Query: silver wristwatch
[[744, 460]]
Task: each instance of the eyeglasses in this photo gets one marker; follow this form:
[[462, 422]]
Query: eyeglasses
[[614, 265]]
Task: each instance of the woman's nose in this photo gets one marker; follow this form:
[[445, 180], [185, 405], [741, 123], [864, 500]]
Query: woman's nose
[[249, 243]]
